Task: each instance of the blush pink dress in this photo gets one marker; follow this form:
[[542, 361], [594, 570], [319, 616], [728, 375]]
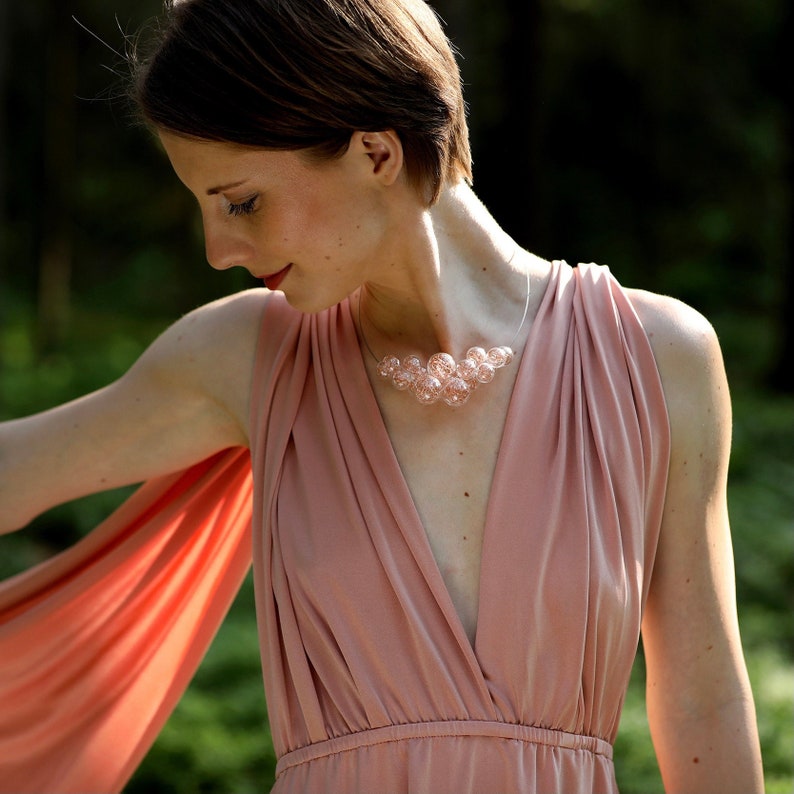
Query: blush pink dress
[[372, 684]]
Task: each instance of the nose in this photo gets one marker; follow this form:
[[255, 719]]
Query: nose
[[225, 249]]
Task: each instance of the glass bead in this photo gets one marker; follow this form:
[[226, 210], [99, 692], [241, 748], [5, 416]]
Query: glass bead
[[441, 365], [426, 388], [387, 365], [485, 372], [402, 379], [477, 353], [497, 357], [444, 378], [467, 369], [456, 392], [412, 364]]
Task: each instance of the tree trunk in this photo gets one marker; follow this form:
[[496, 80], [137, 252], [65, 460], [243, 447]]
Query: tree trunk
[[508, 151], [782, 375], [499, 41], [55, 265], [5, 38], [522, 58]]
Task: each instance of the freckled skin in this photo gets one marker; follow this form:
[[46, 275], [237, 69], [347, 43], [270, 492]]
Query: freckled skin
[[696, 694], [303, 215]]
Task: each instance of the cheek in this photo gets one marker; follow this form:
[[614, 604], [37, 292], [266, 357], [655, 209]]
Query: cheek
[[331, 222], [335, 228]]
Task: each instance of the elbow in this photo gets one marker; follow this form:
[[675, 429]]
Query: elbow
[[17, 502], [13, 513], [12, 520]]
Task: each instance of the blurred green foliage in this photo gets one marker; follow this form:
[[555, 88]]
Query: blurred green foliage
[[655, 137]]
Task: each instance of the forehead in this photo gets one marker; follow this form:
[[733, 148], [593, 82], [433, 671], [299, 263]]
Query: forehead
[[206, 165]]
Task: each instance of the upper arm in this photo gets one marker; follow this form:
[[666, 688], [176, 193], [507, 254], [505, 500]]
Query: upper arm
[[697, 682], [690, 631], [183, 400]]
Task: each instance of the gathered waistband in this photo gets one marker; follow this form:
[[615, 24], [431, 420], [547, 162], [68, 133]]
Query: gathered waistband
[[447, 728]]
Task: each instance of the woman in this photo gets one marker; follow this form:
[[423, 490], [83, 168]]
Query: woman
[[454, 554]]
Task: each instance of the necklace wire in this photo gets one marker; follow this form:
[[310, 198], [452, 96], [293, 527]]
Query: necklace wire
[[443, 378]]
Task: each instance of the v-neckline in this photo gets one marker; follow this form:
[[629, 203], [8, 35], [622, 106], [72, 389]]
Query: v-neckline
[[374, 436]]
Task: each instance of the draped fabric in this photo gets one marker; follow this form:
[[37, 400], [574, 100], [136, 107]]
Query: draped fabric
[[371, 681], [98, 644]]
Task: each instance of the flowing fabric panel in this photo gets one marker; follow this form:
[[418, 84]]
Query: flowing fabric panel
[[98, 644]]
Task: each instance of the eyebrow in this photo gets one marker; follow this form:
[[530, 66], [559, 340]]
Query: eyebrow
[[213, 191]]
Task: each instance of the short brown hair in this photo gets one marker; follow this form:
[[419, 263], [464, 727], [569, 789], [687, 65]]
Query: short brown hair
[[306, 74]]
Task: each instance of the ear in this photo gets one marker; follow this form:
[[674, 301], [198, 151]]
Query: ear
[[385, 152]]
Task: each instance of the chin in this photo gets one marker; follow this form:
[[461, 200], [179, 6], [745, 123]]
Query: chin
[[310, 305]]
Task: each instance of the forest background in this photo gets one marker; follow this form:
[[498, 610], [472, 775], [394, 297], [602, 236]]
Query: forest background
[[655, 137]]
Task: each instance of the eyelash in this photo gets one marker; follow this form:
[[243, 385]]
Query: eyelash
[[246, 207]]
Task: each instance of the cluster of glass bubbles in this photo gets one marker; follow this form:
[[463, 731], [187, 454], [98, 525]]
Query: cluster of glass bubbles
[[444, 378]]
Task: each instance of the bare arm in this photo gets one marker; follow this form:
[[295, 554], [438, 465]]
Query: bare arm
[[700, 706], [184, 399]]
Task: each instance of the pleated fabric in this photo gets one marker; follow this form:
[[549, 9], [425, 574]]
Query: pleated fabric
[[372, 684], [371, 681], [98, 644]]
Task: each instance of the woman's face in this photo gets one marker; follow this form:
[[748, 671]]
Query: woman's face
[[312, 230]]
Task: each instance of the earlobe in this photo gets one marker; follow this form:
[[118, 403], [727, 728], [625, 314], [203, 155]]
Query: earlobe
[[385, 152]]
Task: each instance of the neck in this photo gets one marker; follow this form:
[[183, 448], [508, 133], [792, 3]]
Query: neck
[[460, 282]]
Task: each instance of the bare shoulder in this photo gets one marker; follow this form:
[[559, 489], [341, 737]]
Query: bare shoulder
[[679, 335], [687, 353], [212, 348], [695, 385], [184, 399], [696, 677], [230, 324]]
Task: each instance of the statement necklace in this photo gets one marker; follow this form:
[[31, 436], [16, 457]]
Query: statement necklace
[[443, 378]]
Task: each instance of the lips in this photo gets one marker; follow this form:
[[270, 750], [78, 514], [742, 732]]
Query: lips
[[274, 279]]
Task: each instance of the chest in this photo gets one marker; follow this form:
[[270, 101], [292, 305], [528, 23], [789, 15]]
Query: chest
[[448, 458]]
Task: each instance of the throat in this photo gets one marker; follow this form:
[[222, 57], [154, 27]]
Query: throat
[[441, 378]]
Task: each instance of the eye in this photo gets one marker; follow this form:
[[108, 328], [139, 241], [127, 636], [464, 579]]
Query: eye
[[243, 208]]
